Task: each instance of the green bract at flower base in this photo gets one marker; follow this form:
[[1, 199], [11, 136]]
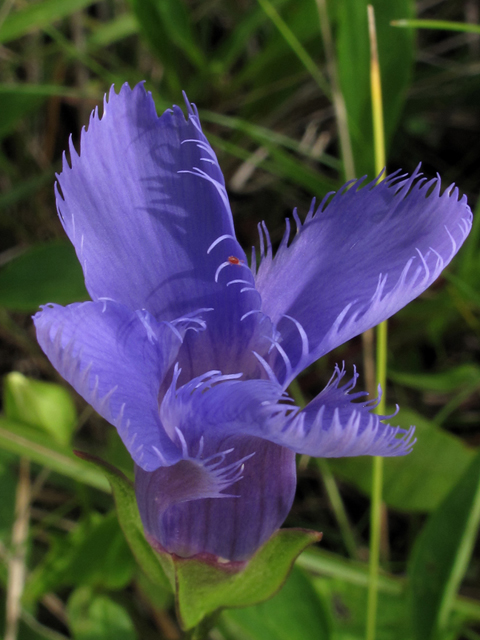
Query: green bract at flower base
[[202, 588]]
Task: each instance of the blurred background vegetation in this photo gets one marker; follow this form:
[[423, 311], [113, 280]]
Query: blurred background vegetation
[[283, 91]]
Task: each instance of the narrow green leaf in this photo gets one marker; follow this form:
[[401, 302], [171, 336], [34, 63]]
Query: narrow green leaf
[[26, 441], [44, 405], [443, 382], [446, 25], [265, 136], [346, 571], [37, 15], [106, 33], [237, 42], [45, 273], [441, 556], [130, 522], [396, 56], [326, 563], [167, 27], [43, 90], [296, 46]]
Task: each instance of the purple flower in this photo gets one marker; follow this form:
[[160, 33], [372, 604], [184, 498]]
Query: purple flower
[[188, 350]]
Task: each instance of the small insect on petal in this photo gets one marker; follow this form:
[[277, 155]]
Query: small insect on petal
[[234, 260]]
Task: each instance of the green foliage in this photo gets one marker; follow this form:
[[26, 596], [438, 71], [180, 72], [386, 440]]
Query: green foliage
[[44, 405], [273, 620], [441, 555], [396, 60], [98, 617], [38, 15], [46, 273], [94, 555], [419, 481], [130, 523], [258, 72]]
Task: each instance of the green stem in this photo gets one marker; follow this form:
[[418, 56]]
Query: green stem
[[381, 363], [376, 496], [375, 529]]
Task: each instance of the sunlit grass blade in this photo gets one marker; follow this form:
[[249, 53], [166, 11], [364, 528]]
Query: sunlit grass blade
[[34, 446], [446, 25]]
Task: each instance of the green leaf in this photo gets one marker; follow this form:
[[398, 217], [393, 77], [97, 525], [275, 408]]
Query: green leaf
[[443, 382], [201, 589], [44, 405], [94, 554], [26, 441], [129, 520], [97, 617], [348, 606], [419, 481], [114, 30], [441, 556], [37, 15], [396, 55], [46, 273], [296, 612], [344, 571]]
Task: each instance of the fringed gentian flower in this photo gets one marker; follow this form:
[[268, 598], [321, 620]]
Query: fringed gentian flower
[[187, 349]]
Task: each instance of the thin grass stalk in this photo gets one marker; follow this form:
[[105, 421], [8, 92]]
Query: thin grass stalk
[[381, 361]]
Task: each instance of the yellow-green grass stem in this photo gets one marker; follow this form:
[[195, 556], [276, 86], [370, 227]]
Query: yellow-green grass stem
[[381, 360]]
